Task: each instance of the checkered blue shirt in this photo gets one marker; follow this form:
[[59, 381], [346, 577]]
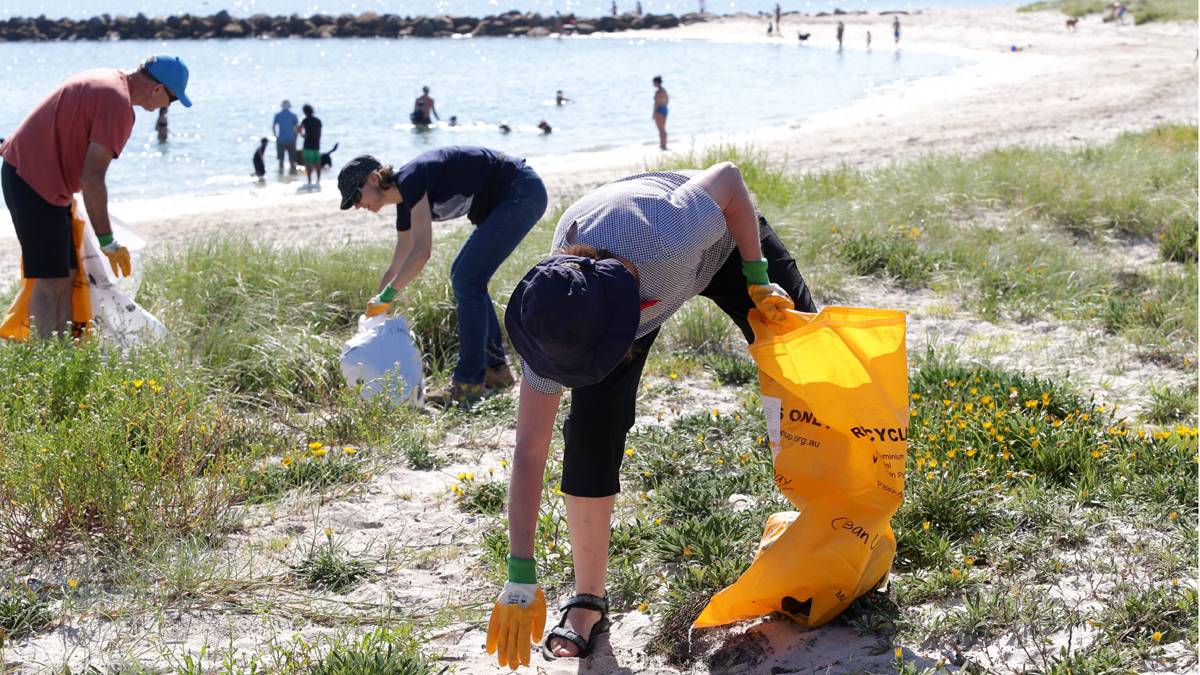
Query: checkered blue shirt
[[673, 231]]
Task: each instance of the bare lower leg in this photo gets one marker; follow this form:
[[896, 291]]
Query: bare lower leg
[[661, 123], [50, 305], [590, 522]]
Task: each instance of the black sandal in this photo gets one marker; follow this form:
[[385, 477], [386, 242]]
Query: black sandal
[[585, 601]]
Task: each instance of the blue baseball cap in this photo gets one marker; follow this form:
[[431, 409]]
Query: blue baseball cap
[[172, 73], [572, 319]]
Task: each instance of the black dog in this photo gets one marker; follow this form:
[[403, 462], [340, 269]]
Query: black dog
[[326, 160], [803, 36]]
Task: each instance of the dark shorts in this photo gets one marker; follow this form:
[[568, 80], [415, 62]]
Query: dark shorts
[[312, 156], [43, 229], [602, 414], [287, 148]]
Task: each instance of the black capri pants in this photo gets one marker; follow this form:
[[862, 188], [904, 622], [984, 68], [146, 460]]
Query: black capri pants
[[602, 414]]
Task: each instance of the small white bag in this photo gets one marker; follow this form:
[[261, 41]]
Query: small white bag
[[384, 359]]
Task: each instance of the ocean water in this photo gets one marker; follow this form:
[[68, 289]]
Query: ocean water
[[363, 90]]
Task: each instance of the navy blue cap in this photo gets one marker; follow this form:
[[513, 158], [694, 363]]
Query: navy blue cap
[[572, 319]]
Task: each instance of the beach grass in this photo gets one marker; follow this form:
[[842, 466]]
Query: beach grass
[[142, 463], [1144, 11]]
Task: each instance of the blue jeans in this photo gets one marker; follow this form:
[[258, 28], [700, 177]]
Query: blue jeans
[[479, 341]]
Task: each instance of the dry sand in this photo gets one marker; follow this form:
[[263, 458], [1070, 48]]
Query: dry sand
[[1063, 88]]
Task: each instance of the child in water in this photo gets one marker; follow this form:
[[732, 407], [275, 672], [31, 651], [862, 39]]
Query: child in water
[[260, 168]]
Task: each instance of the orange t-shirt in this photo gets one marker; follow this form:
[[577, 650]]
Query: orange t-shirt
[[47, 150]]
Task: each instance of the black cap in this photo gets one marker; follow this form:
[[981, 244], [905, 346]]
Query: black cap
[[353, 175], [572, 319]]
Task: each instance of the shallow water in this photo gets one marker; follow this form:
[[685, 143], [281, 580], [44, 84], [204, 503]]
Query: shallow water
[[363, 91]]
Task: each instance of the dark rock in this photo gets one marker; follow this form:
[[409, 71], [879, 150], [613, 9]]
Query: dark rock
[[233, 29], [538, 31], [391, 26], [369, 23], [320, 20], [219, 20], [96, 28]]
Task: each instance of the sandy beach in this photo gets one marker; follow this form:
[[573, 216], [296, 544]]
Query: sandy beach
[[1061, 88]]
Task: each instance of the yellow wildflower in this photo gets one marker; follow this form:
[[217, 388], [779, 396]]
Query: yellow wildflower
[[315, 445], [925, 525], [286, 461], [1173, 516], [137, 384], [643, 607], [1031, 403], [329, 532], [350, 450], [629, 452], [1157, 637], [73, 583], [916, 396], [318, 452]]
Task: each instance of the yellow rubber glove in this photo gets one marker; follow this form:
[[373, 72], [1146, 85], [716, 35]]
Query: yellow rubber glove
[[518, 620], [375, 308], [118, 257]]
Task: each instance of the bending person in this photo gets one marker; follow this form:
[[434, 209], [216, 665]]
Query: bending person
[[624, 258], [502, 196], [64, 146]]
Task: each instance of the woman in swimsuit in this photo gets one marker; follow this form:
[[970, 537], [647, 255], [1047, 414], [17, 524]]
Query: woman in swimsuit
[[660, 111]]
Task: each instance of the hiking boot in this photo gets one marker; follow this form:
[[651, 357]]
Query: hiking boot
[[455, 393], [499, 377]]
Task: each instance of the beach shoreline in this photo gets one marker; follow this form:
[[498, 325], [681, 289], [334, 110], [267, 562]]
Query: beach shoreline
[[1063, 88]]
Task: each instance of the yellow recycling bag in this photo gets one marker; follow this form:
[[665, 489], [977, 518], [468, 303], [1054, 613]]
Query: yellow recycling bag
[[15, 325], [835, 398]]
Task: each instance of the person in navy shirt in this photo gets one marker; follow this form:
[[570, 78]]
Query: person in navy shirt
[[500, 195]]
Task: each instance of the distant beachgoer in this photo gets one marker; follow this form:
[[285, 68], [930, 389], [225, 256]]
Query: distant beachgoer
[[560, 99], [453, 120], [558, 26], [310, 129], [504, 128], [638, 9], [770, 28], [614, 8], [778, 19], [501, 195], [868, 39], [545, 127], [841, 31], [660, 111], [260, 167], [64, 146], [160, 127], [284, 128], [701, 6], [896, 27], [423, 107]]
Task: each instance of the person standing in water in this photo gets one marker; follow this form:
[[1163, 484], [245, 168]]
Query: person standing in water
[[896, 27], [660, 111], [423, 108], [841, 32], [310, 129], [160, 127]]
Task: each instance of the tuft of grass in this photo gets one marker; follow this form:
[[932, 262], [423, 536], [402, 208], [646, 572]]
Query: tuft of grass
[[483, 497], [23, 611], [731, 370], [1168, 405], [325, 567], [315, 468], [381, 652]]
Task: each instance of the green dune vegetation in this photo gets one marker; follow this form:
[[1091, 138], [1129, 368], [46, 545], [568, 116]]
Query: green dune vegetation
[[1143, 11], [127, 480]]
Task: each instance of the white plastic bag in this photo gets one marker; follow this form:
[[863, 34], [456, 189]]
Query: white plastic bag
[[117, 316], [384, 359]]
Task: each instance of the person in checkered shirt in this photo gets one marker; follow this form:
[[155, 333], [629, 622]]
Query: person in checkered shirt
[[624, 258]]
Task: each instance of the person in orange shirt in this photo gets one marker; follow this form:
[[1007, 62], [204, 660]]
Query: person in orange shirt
[[62, 147]]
